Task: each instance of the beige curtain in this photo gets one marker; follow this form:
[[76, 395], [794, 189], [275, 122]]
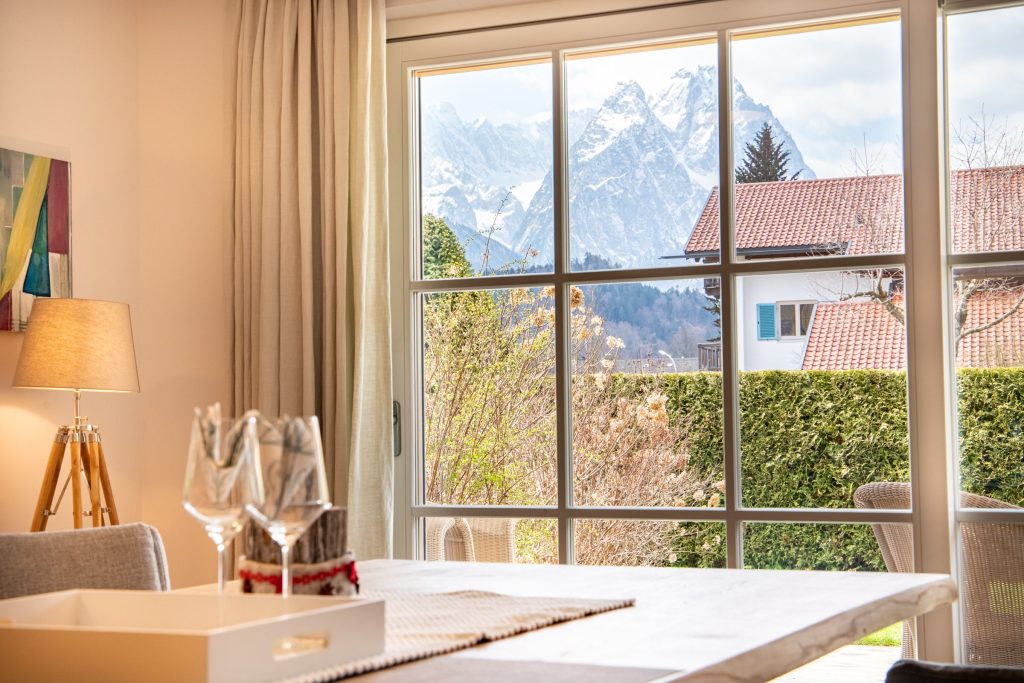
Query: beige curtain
[[311, 317]]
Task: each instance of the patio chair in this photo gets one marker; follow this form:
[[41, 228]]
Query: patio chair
[[471, 540], [449, 538], [493, 539], [992, 563], [129, 557]]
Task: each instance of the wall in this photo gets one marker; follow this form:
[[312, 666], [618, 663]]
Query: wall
[[184, 192], [133, 94], [70, 89]]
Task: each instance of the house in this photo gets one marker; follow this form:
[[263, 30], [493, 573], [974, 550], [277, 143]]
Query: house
[[839, 319]]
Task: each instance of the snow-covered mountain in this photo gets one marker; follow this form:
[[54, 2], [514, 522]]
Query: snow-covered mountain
[[640, 170]]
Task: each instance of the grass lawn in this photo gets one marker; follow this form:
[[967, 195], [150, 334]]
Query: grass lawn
[[890, 635]]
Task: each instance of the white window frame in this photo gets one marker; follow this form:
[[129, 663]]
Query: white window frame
[[954, 261], [929, 367]]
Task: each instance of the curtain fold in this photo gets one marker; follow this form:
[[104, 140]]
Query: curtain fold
[[310, 306]]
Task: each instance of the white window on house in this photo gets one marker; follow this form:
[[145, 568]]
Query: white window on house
[[795, 318], [784, 320]]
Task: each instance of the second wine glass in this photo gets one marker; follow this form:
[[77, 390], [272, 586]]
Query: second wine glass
[[294, 493]]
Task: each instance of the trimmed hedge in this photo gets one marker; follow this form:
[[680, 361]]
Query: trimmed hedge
[[810, 438]]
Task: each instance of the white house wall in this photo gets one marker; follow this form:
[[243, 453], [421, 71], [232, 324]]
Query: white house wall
[[780, 353]]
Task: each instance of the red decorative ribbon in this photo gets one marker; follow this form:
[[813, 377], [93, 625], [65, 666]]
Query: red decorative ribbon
[[304, 579]]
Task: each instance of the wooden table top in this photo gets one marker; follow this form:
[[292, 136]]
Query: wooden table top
[[687, 625]]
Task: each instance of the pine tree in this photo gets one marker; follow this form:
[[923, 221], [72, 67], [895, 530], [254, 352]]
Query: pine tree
[[765, 161], [443, 256]]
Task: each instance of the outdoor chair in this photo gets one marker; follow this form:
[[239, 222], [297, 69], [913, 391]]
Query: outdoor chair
[[480, 539], [449, 538], [992, 564], [129, 557]]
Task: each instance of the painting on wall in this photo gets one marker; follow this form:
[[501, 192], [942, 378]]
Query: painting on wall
[[35, 233]]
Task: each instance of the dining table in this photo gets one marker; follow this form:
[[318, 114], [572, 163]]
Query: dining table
[[709, 625]]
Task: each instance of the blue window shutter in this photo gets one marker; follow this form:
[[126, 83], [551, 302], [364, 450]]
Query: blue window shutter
[[766, 321]]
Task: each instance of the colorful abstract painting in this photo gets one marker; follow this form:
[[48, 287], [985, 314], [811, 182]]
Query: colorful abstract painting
[[35, 233]]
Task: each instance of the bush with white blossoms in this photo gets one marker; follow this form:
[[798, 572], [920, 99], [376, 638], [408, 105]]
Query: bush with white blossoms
[[489, 408]]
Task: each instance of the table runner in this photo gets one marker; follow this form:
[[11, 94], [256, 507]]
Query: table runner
[[420, 625]]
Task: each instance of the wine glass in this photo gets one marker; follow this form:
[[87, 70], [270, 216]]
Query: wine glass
[[290, 462], [220, 477]]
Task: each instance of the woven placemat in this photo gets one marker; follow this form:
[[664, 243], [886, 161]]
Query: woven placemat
[[421, 625]]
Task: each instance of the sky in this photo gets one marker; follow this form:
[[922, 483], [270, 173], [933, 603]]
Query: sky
[[836, 91]]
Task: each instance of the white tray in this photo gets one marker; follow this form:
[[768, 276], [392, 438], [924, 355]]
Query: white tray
[[150, 637]]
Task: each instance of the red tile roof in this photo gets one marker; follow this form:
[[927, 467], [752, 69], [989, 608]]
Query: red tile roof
[[999, 345], [988, 209], [851, 335], [863, 214]]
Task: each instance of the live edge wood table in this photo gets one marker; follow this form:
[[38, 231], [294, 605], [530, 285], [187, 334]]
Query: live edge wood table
[[687, 625]]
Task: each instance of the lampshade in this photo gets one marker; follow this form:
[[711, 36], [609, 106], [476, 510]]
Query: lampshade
[[78, 344]]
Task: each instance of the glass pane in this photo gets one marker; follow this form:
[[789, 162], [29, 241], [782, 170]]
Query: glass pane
[[650, 543], [806, 310], [787, 320], [818, 152], [839, 547], [986, 129], [490, 539], [834, 547], [992, 593], [823, 414], [988, 328], [485, 149], [489, 397], [643, 155], [647, 394]]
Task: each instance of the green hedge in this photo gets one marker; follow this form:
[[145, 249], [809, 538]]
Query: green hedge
[[810, 438]]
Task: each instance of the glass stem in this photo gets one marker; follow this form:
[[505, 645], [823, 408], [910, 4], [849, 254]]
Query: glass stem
[[220, 568], [286, 575]]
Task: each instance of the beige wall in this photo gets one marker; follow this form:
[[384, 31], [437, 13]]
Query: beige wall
[[69, 79], [132, 93], [183, 214]]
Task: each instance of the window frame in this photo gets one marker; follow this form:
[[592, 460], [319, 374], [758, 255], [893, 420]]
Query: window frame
[[928, 358], [797, 307]]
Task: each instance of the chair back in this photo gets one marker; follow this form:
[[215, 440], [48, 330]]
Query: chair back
[[992, 573], [476, 539], [128, 557], [449, 538]]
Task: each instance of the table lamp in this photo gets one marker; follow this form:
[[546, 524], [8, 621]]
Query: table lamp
[[77, 345]]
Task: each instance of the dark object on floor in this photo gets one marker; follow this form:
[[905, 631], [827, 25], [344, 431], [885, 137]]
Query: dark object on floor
[[912, 671]]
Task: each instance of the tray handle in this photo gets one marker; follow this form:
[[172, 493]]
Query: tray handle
[[290, 647]]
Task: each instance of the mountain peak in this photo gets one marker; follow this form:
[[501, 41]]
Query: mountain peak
[[624, 110]]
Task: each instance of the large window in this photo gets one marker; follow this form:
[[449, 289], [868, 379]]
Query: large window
[[985, 112], [564, 385], [666, 288]]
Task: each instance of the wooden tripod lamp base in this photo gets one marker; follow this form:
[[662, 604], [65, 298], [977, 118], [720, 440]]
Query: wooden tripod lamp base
[[86, 458]]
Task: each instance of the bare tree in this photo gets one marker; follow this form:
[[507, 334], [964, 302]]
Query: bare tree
[[987, 199]]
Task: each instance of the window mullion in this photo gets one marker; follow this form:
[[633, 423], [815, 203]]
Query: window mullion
[[730, 385], [928, 376], [563, 373]]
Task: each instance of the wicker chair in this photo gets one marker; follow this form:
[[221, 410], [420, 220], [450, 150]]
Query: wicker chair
[[992, 563], [471, 540], [449, 538]]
